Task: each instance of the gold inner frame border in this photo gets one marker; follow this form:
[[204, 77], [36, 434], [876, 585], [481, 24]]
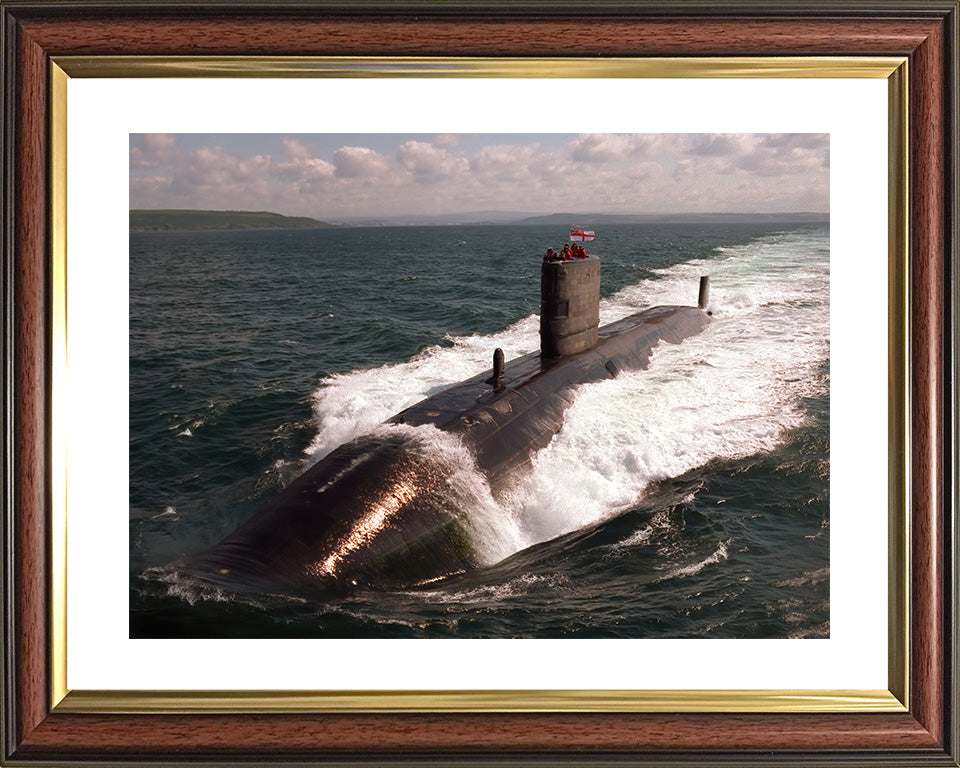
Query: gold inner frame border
[[895, 699]]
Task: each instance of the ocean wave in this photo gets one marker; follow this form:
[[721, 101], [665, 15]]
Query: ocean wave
[[718, 556]]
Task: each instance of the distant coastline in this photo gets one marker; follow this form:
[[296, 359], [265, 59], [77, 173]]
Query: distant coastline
[[177, 220], [184, 220]]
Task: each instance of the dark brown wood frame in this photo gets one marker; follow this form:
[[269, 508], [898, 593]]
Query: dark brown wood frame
[[925, 32]]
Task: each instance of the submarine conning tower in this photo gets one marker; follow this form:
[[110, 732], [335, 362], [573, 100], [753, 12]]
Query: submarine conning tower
[[569, 306]]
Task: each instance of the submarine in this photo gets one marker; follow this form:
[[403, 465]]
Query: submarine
[[378, 511]]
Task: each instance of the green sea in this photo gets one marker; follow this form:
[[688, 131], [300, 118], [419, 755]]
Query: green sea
[[690, 499]]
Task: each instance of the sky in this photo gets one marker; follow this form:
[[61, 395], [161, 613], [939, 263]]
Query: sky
[[342, 176]]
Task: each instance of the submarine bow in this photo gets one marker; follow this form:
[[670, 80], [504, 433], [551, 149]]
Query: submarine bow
[[379, 511]]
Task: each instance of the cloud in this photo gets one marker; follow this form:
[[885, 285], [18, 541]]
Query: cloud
[[449, 174], [157, 142], [152, 150], [504, 161], [786, 154], [149, 187], [429, 162], [302, 167], [683, 169], [803, 141], [717, 156], [607, 147], [216, 166], [643, 171], [720, 144], [449, 140], [211, 177], [308, 169], [354, 162], [295, 148]]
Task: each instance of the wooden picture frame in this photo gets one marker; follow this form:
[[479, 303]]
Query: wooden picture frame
[[38, 731]]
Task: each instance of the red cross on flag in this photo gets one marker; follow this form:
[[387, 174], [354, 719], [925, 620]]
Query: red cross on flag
[[582, 235]]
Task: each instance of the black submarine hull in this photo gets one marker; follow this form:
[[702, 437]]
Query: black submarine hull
[[379, 511]]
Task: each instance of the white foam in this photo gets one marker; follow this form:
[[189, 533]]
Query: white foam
[[170, 513], [659, 523], [718, 556], [348, 405], [189, 590], [807, 578], [518, 587]]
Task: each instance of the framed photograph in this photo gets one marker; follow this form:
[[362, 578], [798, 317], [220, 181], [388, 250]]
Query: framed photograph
[[262, 261]]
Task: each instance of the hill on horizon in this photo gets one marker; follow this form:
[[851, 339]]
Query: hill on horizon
[[143, 220]]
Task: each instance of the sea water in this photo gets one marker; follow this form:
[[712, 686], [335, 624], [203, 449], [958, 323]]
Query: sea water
[[690, 499]]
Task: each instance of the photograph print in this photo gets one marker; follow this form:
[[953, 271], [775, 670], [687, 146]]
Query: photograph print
[[479, 385]]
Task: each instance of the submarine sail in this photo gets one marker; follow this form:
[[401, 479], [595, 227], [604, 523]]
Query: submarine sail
[[377, 511]]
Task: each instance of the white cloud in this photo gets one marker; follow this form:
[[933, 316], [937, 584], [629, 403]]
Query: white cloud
[[427, 161], [295, 148], [157, 142], [304, 169], [214, 166], [607, 147], [352, 162], [506, 162], [643, 171], [808, 141], [152, 150], [683, 169], [148, 187], [448, 174], [721, 144], [786, 155]]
